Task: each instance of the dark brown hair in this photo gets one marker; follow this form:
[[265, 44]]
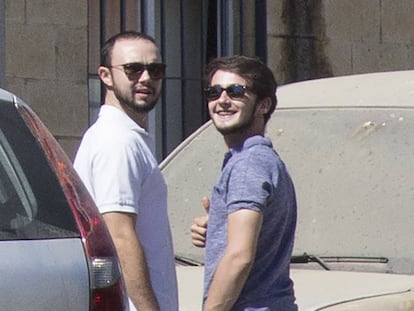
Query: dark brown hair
[[259, 77], [106, 51]]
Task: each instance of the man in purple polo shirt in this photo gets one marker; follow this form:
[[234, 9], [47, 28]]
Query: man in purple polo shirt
[[252, 212]]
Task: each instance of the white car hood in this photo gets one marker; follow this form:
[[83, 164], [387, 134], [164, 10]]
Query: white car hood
[[313, 288]]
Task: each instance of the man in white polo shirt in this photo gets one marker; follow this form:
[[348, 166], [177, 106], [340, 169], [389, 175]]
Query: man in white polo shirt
[[116, 163]]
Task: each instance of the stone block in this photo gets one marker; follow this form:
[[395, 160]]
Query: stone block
[[65, 115], [277, 60], [15, 11], [72, 52], [16, 86], [352, 20], [30, 51], [58, 12], [372, 57], [339, 56], [61, 105], [276, 24], [397, 21], [410, 62]]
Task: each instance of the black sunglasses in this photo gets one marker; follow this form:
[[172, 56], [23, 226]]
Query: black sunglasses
[[134, 70], [234, 91]]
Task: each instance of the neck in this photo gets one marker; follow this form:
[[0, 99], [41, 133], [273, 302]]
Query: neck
[[234, 140], [237, 137], [140, 118]]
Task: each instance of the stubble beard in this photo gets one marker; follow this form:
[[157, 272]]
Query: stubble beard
[[238, 127], [126, 99]]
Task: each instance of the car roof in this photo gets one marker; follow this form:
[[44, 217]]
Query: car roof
[[6, 96], [364, 90]]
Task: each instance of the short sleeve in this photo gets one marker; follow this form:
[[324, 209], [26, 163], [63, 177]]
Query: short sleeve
[[249, 183], [117, 176]]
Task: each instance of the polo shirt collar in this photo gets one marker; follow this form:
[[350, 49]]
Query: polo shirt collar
[[248, 143], [252, 141], [120, 117]]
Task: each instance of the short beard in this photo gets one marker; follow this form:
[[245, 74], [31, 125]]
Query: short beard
[[238, 128], [138, 108], [128, 102]]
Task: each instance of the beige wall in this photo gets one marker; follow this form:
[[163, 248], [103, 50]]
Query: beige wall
[[46, 49], [46, 63], [309, 39]]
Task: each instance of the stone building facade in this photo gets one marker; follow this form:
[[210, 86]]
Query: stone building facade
[[46, 46], [46, 49]]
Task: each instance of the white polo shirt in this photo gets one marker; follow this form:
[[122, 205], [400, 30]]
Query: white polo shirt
[[119, 170]]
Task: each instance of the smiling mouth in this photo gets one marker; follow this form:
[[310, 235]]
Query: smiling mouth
[[225, 113], [225, 116]]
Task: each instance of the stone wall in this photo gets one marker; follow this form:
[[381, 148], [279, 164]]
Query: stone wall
[[46, 63], [46, 49], [321, 38]]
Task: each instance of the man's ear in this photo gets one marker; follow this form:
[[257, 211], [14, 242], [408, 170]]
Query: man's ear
[[105, 75], [265, 105]]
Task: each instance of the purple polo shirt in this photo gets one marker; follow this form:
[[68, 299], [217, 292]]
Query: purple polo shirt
[[254, 177]]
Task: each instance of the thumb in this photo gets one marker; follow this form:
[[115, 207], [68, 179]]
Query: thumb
[[205, 202]]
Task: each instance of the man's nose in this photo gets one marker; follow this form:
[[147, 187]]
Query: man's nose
[[144, 76], [224, 97], [224, 100]]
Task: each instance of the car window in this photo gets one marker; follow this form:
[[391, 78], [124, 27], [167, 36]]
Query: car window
[[32, 205]]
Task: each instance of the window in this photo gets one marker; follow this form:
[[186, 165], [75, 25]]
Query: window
[[189, 34], [32, 204]]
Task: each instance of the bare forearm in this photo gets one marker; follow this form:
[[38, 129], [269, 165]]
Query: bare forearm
[[132, 258], [227, 284], [136, 275], [235, 265]]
